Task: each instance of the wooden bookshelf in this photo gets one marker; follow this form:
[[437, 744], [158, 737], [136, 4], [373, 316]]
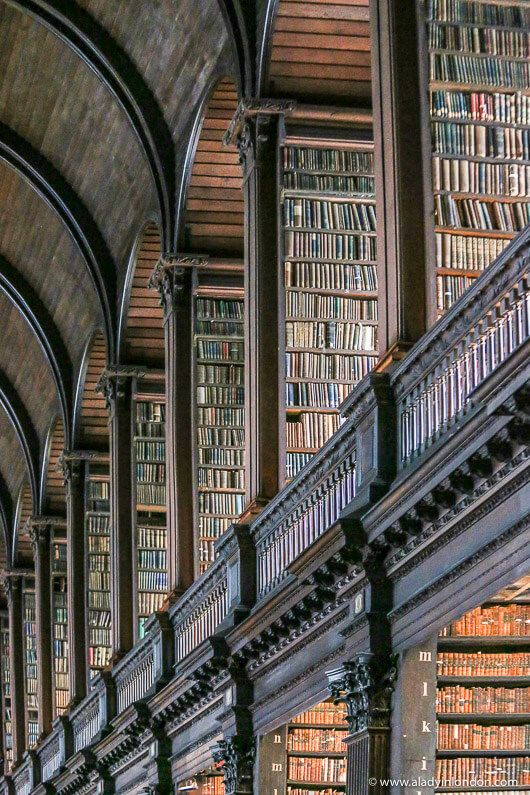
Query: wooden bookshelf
[[59, 623], [480, 116], [31, 701], [5, 671], [149, 443], [330, 276], [483, 697], [219, 375], [316, 757], [97, 530]]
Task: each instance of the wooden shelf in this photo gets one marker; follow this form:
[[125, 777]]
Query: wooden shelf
[[328, 351], [336, 293], [471, 274], [492, 233], [316, 784], [151, 508], [485, 718], [482, 159], [448, 754], [332, 195], [318, 754], [484, 197], [329, 261], [482, 55], [481, 88], [479, 122], [488, 641], [356, 232], [480, 681]]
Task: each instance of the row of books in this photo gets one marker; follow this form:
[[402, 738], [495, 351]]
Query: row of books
[[316, 740], [221, 503], [60, 649], [221, 350], [151, 472], [234, 437], [475, 737], [155, 537], [99, 618], [98, 490], [62, 696], [220, 374], [221, 456], [477, 140], [295, 462], [150, 494], [511, 16], [482, 71], [98, 657], [478, 214], [99, 637], [493, 769], [99, 580], [152, 558], [483, 664], [99, 600], [493, 179], [60, 664], [221, 478], [513, 108], [490, 700], [152, 580], [150, 451], [329, 245], [311, 791], [449, 289], [149, 602], [213, 526], [206, 552], [60, 615], [99, 543], [497, 619], [98, 523], [151, 429], [313, 305], [221, 417], [312, 430], [486, 40], [331, 183], [328, 366], [331, 276], [322, 214], [98, 562], [230, 328], [315, 394], [209, 309], [302, 158], [325, 712], [150, 411], [315, 769], [235, 395], [329, 334]]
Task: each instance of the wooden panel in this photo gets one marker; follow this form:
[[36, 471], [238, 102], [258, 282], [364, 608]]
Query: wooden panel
[[94, 430], [144, 332], [54, 495], [321, 51], [24, 554], [214, 207]]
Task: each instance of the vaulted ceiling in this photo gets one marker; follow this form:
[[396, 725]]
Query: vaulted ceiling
[[101, 105]]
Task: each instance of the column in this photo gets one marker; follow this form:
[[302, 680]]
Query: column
[[115, 383], [74, 479], [41, 528], [365, 685], [13, 585], [402, 178], [256, 131], [173, 279]]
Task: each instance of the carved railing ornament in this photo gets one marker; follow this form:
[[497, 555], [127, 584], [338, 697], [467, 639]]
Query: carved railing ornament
[[235, 759], [365, 686]]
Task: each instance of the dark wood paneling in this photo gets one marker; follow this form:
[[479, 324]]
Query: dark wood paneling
[[321, 50], [144, 330], [94, 431], [54, 494], [214, 206], [24, 551]]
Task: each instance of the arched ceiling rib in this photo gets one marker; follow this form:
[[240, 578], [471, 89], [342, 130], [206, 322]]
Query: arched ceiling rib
[[91, 430], [22, 552]]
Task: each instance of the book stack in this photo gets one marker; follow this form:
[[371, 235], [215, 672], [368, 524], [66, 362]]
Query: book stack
[[5, 670], [329, 253], [480, 119], [150, 485], [220, 418], [30, 661], [60, 627], [316, 759], [483, 698], [97, 528]]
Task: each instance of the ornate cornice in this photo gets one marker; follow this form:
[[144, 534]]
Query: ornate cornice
[[235, 758], [114, 383], [365, 685], [170, 275], [249, 108]]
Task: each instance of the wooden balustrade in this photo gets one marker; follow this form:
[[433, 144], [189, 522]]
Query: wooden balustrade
[[50, 755], [136, 675], [86, 721], [23, 777]]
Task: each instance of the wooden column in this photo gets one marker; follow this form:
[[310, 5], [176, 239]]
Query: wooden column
[[41, 528], [173, 279], [365, 686], [116, 385], [256, 131], [13, 586], [74, 478], [402, 169]]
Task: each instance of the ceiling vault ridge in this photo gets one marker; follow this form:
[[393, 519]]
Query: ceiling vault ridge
[[42, 325], [25, 431], [113, 66], [57, 192]]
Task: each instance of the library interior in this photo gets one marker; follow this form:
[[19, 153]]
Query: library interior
[[264, 398]]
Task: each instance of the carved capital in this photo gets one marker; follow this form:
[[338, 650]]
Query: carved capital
[[170, 277], [114, 383], [250, 107], [40, 530], [71, 469], [365, 685], [12, 582], [235, 758]]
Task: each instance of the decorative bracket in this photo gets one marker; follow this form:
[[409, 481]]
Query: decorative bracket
[[235, 758]]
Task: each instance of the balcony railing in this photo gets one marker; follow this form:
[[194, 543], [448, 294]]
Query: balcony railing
[[137, 674], [50, 755], [86, 721]]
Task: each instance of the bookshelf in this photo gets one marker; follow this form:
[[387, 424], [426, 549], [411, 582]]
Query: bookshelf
[[59, 623], [5, 662], [219, 373], [330, 277], [480, 120], [316, 758], [209, 782], [97, 530], [150, 495], [483, 699], [30, 661]]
